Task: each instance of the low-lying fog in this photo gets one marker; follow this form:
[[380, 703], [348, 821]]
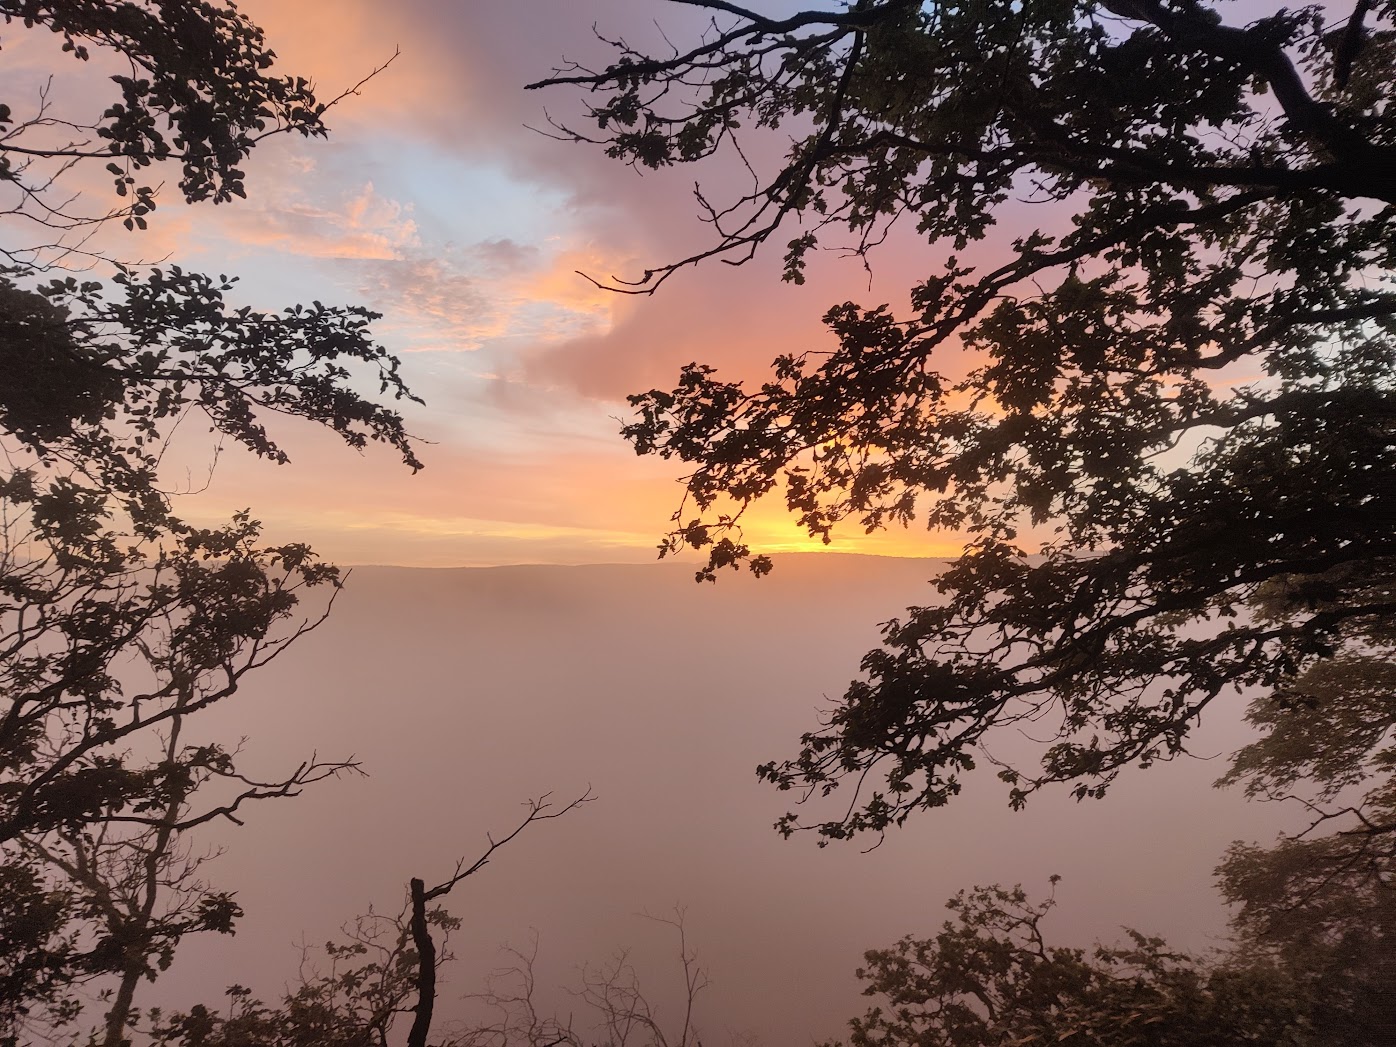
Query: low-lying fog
[[466, 691]]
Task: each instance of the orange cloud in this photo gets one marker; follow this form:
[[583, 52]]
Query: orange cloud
[[286, 214]]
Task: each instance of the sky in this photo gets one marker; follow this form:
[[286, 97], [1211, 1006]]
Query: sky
[[435, 202]]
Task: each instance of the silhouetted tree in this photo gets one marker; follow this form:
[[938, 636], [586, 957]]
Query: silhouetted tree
[[990, 977], [195, 88], [382, 970], [1325, 897], [119, 620], [620, 1012], [1168, 458], [141, 889], [419, 923], [1181, 385]]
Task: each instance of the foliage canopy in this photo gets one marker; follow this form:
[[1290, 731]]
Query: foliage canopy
[[195, 86], [990, 976], [1182, 394]]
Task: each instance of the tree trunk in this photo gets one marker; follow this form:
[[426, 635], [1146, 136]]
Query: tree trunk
[[426, 967], [120, 1012]]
